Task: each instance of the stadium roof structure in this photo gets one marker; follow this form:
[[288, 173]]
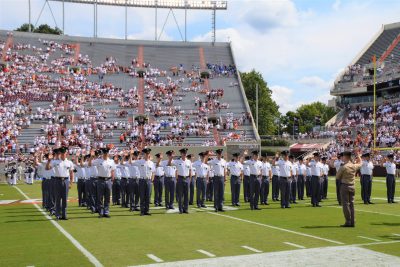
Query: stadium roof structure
[[385, 47], [185, 5], [382, 45]]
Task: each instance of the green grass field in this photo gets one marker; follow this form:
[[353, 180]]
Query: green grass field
[[30, 239]]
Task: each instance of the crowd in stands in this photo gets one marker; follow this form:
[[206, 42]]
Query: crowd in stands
[[76, 109]]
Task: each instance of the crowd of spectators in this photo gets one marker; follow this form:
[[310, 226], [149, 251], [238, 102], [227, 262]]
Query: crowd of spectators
[[78, 110]]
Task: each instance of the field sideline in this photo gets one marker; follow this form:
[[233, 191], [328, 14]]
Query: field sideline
[[30, 239]]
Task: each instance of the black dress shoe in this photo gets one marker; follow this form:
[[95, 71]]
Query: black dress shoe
[[294, 202], [203, 206], [147, 214], [318, 205], [221, 210], [394, 201], [266, 203], [369, 202], [136, 209], [107, 216], [64, 218], [347, 225], [237, 205], [185, 211], [257, 208]]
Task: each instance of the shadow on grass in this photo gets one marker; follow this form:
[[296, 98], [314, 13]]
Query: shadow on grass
[[386, 224], [320, 226]]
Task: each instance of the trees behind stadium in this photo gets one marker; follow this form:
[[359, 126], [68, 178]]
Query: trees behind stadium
[[44, 28], [271, 121]]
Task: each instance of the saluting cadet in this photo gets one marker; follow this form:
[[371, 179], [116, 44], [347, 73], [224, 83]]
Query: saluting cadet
[[324, 178], [133, 182], [266, 173], [246, 180], [255, 179], [43, 173], [124, 181], [235, 169], [64, 176], [87, 180], [275, 179], [170, 179], [285, 170], [80, 174], [293, 181], [184, 169], [218, 165], [106, 175], [366, 178], [116, 185], [158, 181], [301, 174], [308, 179], [337, 164], [210, 183], [146, 169], [52, 183], [390, 177], [202, 170], [93, 173], [316, 174], [346, 175], [192, 181]]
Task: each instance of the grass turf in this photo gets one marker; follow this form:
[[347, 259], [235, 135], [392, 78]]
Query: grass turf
[[28, 238]]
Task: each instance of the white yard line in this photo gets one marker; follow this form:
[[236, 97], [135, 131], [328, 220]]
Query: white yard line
[[396, 234], [368, 211], [375, 243], [332, 256], [75, 242], [293, 245], [278, 228], [154, 258], [252, 249], [369, 238], [206, 253]]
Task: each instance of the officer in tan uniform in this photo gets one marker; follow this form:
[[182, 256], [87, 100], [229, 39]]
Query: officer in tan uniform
[[346, 176]]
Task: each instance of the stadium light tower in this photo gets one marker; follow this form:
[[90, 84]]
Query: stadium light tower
[[186, 5]]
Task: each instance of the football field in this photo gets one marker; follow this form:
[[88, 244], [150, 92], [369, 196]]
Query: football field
[[29, 238]]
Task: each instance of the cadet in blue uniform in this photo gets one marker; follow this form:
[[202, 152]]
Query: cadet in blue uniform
[[133, 182], [184, 170], [266, 172], [301, 176], [366, 178], [235, 169], [146, 170], [106, 175], [158, 181], [275, 179], [246, 180], [316, 174], [285, 170], [324, 178], [390, 177], [64, 176], [192, 181], [116, 186], [170, 179], [202, 170], [337, 164], [218, 165]]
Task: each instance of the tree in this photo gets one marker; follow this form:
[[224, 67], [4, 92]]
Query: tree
[[25, 28], [44, 28], [268, 110], [307, 115]]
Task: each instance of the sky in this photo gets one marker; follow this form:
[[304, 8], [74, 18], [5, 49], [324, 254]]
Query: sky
[[299, 46]]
